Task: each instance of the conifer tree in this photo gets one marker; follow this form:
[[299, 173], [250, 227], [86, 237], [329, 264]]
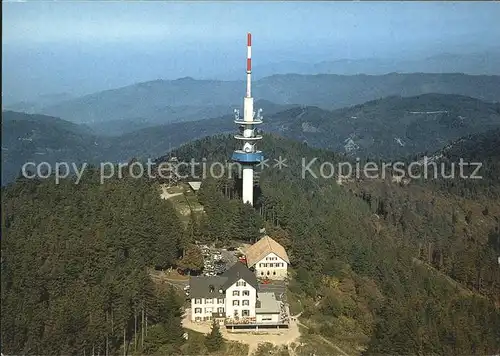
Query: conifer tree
[[192, 261], [214, 340]]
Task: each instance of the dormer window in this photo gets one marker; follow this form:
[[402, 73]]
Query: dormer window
[[211, 288], [221, 291]]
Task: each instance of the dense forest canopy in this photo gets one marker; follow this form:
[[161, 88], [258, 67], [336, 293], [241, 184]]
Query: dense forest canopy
[[412, 268], [74, 264]]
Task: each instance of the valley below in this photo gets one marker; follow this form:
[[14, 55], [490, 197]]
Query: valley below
[[389, 128]]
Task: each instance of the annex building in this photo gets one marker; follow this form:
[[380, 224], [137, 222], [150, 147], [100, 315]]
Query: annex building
[[268, 259]]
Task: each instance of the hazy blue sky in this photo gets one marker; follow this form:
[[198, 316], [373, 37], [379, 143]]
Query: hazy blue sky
[[84, 46]]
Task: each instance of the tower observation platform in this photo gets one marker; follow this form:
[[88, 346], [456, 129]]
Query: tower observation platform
[[248, 155]]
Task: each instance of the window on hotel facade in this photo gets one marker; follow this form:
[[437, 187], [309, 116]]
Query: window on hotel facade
[[246, 302], [220, 301], [236, 302], [209, 301], [197, 310], [197, 301], [236, 293], [241, 284], [246, 293], [245, 312]]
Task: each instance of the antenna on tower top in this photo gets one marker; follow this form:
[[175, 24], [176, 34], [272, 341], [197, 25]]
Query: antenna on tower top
[[249, 65]]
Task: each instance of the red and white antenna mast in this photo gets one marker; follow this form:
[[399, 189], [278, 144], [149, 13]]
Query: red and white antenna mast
[[249, 65]]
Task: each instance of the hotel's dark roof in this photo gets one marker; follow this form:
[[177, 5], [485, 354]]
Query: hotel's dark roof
[[206, 287], [239, 271], [211, 287]]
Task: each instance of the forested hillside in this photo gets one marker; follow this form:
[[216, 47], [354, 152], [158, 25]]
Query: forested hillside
[[40, 138], [74, 266], [401, 270], [396, 273], [388, 128], [483, 147]]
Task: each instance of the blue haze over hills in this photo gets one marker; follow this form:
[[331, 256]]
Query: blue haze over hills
[[75, 48]]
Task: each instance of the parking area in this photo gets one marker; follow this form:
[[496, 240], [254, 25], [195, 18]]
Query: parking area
[[217, 260]]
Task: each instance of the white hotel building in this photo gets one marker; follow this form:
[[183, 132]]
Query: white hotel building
[[233, 298]]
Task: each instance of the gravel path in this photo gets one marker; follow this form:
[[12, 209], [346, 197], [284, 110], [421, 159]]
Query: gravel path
[[282, 337]]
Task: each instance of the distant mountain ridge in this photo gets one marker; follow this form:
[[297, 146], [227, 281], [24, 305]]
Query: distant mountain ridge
[[37, 104], [125, 126], [480, 63], [166, 101], [390, 128]]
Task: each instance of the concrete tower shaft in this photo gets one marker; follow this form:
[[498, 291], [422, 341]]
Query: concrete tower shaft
[[248, 156]]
